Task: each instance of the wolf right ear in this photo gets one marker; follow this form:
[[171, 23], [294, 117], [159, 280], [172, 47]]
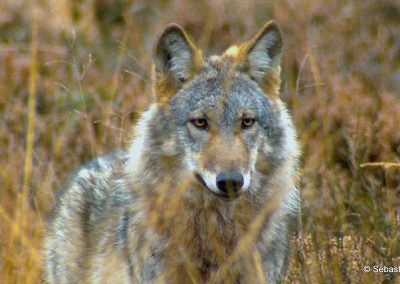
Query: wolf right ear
[[175, 58], [263, 53], [261, 57]]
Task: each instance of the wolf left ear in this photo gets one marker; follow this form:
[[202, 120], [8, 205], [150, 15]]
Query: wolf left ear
[[263, 53], [175, 58]]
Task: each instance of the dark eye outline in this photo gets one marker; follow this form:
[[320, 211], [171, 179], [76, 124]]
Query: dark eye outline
[[200, 123], [248, 122]]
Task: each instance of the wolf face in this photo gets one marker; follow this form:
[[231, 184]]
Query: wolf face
[[222, 128], [225, 109]]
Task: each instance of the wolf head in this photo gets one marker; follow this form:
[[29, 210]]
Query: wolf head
[[220, 116]]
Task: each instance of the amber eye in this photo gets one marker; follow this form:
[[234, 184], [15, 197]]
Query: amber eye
[[248, 122], [200, 123]]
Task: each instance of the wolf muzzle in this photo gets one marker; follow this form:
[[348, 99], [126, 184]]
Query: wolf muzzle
[[230, 183], [227, 185]]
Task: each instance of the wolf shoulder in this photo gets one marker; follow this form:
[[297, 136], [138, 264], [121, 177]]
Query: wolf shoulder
[[93, 184]]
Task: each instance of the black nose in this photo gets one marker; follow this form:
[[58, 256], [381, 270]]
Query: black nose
[[230, 182]]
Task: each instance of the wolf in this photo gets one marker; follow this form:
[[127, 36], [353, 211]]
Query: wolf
[[207, 190]]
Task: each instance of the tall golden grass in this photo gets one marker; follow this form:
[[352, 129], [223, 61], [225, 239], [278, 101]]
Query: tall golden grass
[[75, 74]]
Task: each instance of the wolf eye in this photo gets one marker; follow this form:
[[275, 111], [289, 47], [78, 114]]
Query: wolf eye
[[200, 123], [247, 122]]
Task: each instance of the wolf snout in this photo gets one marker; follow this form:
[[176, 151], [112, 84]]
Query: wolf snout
[[230, 183]]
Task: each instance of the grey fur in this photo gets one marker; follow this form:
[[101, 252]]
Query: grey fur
[[138, 216]]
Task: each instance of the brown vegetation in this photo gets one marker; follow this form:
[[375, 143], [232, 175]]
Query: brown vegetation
[[75, 74]]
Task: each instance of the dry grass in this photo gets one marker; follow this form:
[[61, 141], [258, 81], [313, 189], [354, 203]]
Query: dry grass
[[74, 77]]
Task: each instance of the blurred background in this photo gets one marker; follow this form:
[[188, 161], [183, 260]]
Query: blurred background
[[74, 75]]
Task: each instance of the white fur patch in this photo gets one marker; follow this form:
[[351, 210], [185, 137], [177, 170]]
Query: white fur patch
[[138, 146], [189, 163], [211, 181], [232, 51], [291, 148], [246, 181]]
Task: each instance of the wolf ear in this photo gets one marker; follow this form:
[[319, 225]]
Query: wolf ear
[[175, 57], [263, 53]]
